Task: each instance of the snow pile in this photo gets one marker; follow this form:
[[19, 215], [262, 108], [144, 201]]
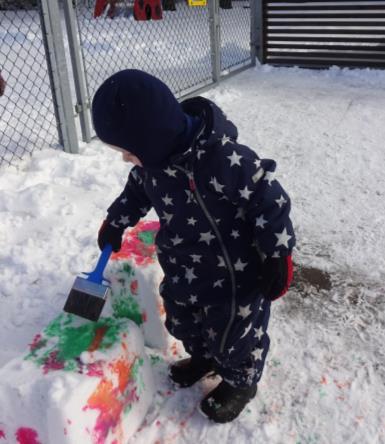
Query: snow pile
[[80, 382]]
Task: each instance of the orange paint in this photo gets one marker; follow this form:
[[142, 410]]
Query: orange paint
[[111, 399], [99, 335]]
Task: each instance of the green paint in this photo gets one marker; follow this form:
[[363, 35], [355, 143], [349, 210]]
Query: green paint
[[124, 304], [155, 360], [137, 375], [127, 268], [322, 393], [67, 336], [127, 308], [147, 237], [275, 362]]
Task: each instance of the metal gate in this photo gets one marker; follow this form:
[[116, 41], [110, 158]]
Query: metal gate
[[323, 33]]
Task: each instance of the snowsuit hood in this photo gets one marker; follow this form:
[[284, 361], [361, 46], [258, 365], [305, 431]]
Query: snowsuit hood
[[137, 112]]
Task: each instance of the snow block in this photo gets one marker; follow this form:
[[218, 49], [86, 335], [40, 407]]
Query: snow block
[[135, 276], [80, 382]]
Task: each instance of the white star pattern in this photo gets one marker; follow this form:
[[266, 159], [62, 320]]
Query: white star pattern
[[196, 257], [206, 309], [247, 329], [191, 221], [234, 159], [175, 321], [258, 333], [154, 183], [193, 299], [283, 238], [235, 234], [190, 196], [199, 153], [124, 220], [212, 333], [113, 224], [172, 260], [244, 311], [245, 193], [281, 201], [176, 240], [218, 187], [269, 176], [225, 139], [257, 162], [170, 172], [258, 175], [167, 217], [197, 318], [167, 200], [218, 283], [175, 279], [239, 265], [124, 200], [221, 261], [257, 354], [206, 237], [190, 276], [231, 349], [260, 221], [240, 213], [276, 254]]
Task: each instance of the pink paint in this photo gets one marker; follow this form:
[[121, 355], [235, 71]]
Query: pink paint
[[52, 363], [2, 434], [37, 342], [95, 369], [25, 435]]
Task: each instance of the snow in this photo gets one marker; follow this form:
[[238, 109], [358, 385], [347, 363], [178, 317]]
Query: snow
[[324, 379]]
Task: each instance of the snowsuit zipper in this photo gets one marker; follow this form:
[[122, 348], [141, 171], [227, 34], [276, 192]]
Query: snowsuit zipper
[[222, 245]]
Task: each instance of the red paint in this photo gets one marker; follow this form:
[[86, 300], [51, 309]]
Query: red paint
[[133, 248], [192, 185], [144, 316], [52, 363], [134, 287], [99, 335], [37, 342], [25, 435], [2, 434], [324, 380]]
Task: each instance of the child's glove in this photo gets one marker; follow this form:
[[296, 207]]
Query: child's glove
[[276, 277], [110, 235]]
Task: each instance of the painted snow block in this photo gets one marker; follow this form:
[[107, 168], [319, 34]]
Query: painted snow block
[[135, 276], [80, 382]]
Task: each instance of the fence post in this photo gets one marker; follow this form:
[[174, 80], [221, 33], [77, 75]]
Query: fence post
[[258, 29], [82, 105], [53, 42], [214, 23]]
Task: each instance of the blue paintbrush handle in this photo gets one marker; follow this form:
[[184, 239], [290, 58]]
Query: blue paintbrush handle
[[97, 275]]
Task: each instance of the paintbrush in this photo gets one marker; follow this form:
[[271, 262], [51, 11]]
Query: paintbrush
[[88, 295]]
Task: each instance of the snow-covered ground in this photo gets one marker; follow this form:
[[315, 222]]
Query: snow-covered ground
[[325, 380]]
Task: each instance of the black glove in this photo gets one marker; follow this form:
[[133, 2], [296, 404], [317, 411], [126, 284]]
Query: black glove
[[109, 234], [277, 274]]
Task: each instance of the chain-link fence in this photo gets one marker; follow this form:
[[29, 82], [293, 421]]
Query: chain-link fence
[[189, 48], [27, 116]]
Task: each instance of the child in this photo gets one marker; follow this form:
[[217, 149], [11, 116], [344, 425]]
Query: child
[[225, 236]]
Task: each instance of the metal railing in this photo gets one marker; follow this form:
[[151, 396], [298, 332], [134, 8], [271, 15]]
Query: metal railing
[[54, 60]]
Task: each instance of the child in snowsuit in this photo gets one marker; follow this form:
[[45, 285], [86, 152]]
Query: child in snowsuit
[[225, 236]]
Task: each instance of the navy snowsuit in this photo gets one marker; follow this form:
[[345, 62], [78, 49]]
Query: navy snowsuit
[[221, 212]]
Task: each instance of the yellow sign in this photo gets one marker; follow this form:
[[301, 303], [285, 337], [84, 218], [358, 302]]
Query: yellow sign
[[197, 2]]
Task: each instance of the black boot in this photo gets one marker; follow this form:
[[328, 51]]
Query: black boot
[[186, 372], [226, 402]]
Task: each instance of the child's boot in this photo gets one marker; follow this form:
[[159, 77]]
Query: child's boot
[[186, 372], [226, 402]]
